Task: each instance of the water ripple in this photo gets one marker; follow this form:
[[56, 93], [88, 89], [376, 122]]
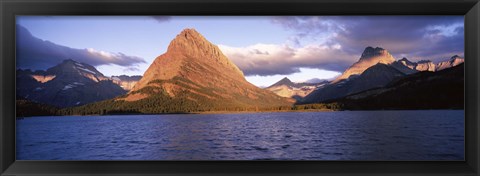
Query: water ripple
[[347, 135]]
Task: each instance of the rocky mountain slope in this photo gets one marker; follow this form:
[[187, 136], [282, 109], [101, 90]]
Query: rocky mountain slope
[[370, 57], [427, 65], [443, 89], [193, 75], [454, 61], [376, 76], [67, 84], [364, 74]]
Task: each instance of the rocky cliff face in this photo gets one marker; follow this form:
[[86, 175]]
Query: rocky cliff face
[[425, 65], [409, 67], [370, 57], [454, 61], [195, 71], [189, 46], [126, 82], [67, 84]]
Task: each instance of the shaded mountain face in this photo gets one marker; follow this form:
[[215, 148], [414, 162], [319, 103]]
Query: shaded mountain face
[[405, 66], [195, 73], [67, 84], [404, 61], [424, 90], [370, 57], [126, 82], [375, 76], [289, 89], [70, 69], [375, 68]]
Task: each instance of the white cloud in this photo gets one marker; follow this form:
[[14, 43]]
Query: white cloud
[[270, 59]]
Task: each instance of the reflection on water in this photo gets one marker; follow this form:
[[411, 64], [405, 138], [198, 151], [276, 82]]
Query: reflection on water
[[345, 135]]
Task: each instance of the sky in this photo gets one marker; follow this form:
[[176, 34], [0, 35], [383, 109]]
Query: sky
[[265, 48]]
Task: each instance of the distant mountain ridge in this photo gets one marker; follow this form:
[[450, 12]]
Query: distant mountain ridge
[[454, 61], [284, 81], [427, 65], [67, 84], [376, 68], [443, 89], [126, 82], [289, 89]]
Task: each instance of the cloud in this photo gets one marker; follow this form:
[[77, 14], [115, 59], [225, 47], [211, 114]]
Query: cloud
[[421, 37], [335, 42], [270, 59], [162, 19], [34, 53], [131, 69]]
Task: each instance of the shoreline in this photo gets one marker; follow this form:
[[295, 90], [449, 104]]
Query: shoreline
[[254, 112], [239, 112]]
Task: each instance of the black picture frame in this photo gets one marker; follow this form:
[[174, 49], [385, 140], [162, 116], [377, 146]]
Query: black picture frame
[[10, 8]]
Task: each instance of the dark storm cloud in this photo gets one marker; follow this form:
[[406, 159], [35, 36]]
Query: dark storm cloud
[[34, 53]]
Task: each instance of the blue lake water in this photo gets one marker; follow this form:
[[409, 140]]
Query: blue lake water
[[343, 135]]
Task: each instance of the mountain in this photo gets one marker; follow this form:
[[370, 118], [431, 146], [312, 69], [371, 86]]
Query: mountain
[[370, 57], [443, 89], [187, 56], [375, 76], [405, 66], [404, 61], [452, 62], [425, 65], [283, 82], [289, 89], [67, 84], [375, 69], [126, 82], [409, 67], [193, 75], [316, 80]]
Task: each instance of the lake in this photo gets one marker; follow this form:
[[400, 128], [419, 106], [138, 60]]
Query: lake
[[342, 135]]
